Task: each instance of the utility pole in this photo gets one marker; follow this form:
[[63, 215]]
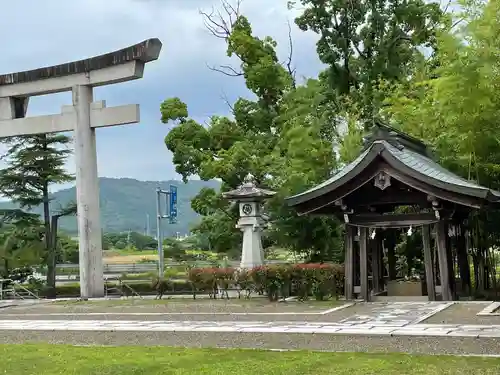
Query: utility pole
[[148, 228], [170, 214]]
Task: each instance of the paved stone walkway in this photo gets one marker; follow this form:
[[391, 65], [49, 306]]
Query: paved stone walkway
[[439, 330], [396, 313], [384, 319], [4, 303]]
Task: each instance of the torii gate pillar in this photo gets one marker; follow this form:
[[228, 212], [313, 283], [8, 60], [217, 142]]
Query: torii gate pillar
[[82, 117], [87, 197]]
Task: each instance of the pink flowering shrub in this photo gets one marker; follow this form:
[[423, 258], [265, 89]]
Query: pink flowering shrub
[[275, 280]]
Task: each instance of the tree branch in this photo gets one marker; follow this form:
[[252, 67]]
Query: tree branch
[[291, 71], [361, 53], [226, 70], [226, 100], [456, 23], [219, 24], [447, 6]]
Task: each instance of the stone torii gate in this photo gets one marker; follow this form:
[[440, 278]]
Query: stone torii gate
[[83, 117]]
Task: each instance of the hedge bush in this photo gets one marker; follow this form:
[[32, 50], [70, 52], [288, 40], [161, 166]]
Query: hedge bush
[[321, 281], [212, 280], [141, 287]]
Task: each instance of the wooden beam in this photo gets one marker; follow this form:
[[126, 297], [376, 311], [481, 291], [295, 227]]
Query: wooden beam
[[358, 199], [429, 269], [363, 266], [392, 220]]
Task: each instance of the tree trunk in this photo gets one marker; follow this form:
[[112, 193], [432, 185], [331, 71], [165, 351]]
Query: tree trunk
[[463, 262], [480, 274], [51, 272], [51, 258]]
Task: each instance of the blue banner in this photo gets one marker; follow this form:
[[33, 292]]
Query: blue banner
[[173, 203]]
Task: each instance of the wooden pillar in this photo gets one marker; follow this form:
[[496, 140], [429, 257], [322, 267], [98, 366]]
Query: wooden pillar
[[391, 254], [444, 270], [375, 252], [380, 249], [429, 266], [349, 262], [363, 263]]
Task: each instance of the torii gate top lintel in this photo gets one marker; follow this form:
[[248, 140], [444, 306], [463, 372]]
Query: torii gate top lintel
[[113, 67]]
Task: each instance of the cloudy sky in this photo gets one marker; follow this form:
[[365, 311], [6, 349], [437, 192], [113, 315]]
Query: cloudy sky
[[55, 31]]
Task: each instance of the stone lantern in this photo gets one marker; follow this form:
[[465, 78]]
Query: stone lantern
[[250, 200]]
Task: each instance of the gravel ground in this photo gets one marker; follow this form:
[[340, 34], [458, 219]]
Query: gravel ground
[[414, 345], [463, 313]]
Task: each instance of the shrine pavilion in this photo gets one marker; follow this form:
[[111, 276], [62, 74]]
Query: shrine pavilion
[[395, 183]]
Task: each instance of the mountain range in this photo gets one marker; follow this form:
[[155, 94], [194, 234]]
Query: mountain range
[[126, 204]]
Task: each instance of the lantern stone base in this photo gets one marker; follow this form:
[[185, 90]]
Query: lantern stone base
[[251, 254]]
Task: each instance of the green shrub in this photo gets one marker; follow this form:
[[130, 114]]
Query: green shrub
[[141, 287], [274, 279], [321, 281]]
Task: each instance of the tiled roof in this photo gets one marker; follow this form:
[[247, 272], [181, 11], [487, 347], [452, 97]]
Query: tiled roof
[[427, 170], [430, 168], [345, 170]]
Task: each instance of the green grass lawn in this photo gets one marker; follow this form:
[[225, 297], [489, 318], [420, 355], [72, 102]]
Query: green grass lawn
[[69, 360]]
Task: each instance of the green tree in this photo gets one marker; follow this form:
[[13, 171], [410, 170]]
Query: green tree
[[142, 242], [453, 103], [366, 42], [69, 210], [283, 138], [67, 250], [120, 244], [34, 163], [21, 245]]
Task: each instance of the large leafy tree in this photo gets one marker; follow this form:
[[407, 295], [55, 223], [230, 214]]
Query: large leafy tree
[[453, 103], [367, 42], [34, 163], [283, 138]]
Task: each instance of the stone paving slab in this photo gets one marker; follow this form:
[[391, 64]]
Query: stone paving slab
[[260, 306], [373, 314], [250, 327], [396, 313], [464, 313], [492, 309]]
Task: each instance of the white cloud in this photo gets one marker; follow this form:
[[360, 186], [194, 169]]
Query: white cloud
[[44, 33]]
